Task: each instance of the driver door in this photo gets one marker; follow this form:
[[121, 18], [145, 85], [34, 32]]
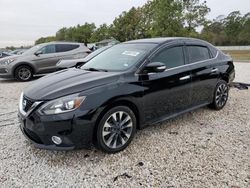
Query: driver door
[[167, 93], [46, 60]]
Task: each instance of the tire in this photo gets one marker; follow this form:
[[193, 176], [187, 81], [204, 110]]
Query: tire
[[116, 129], [23, 73], [220, 95]]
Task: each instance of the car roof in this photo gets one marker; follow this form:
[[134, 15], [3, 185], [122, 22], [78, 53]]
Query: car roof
[[61, 42], [161, 40]]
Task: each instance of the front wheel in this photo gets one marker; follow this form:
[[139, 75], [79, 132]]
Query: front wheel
[[23, 73], [220, 95], [116, 129]]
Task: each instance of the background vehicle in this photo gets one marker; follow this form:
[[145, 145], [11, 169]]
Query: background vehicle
[[40, 59], [4, 54], [18, 51], [63, 64], [127, 87]]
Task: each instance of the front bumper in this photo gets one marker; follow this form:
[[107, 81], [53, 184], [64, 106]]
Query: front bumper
[[76, 131]]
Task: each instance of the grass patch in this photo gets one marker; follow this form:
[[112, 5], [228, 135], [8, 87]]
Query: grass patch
[[239, 55]]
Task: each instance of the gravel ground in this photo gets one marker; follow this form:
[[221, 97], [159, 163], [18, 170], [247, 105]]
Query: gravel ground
[[203, 148]]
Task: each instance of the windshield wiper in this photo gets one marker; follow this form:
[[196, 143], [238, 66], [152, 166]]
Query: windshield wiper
[[94, 69]]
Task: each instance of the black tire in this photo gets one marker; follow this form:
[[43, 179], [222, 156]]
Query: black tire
[[220, 95], [23, 73], [119, 133]]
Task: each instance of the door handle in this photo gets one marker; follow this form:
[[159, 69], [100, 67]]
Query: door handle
[[214, 70], [185, 77]]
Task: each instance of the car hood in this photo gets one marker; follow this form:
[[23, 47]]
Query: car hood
[[68, 82], [69, 63], [3, 59]]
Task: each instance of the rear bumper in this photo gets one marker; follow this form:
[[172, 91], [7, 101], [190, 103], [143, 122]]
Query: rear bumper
[[231, 77]]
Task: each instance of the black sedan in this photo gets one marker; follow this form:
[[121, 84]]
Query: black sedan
[[127, 87]]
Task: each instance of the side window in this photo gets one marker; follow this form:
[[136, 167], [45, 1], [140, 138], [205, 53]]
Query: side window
[[65, 47], [171, 57], [49, 49], [198, 53]]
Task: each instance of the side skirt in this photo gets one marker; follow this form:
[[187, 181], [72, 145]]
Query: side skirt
[[175, 115]]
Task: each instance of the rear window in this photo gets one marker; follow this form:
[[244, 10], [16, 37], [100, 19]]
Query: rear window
[[65, 47], [198, 53]]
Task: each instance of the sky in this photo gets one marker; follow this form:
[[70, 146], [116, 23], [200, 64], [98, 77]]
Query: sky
[[24, 21]]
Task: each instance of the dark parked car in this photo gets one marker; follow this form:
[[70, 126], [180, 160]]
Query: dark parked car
[[40, 59], [4, 54], [70, 63], [125, 88]]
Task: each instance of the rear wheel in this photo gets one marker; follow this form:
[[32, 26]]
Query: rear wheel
[[220, 95], [23, 73], [116, 129]]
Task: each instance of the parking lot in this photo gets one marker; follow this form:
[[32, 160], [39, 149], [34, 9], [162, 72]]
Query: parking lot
[[204, 148]]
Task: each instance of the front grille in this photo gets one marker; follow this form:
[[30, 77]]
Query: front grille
[[27, 104]]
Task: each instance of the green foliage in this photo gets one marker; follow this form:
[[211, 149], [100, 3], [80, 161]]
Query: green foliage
[[194, 14], [231, 30], [163, 18], [166, 18], [128, 25], [101, 33], [46, 39]]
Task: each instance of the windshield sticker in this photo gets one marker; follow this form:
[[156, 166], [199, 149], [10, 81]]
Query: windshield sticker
[[131, 53]]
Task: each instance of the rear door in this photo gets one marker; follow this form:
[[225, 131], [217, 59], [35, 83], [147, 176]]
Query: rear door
[[204, 73], [168, 92]]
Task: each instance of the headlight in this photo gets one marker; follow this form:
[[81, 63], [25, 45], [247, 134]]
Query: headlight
[[7, 62], [62, 105]]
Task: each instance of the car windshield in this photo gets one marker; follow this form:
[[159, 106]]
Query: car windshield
[[119, 58], [95, 53]]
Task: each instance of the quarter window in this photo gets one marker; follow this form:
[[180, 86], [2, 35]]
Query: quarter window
[[65, 47], [49, 49], [171, 57], [198, 53]]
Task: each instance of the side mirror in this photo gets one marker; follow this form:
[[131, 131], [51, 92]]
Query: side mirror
[[39, 52], [155, 67]]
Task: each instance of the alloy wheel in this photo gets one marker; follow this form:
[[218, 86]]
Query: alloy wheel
[[24, 73], [117, 129], [221, 95]]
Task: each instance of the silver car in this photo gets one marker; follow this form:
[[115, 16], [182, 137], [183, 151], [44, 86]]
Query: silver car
[[40, 59]]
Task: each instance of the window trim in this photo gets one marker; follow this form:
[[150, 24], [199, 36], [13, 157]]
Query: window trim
[[198, 62]]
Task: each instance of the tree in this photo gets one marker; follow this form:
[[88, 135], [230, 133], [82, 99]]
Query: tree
[[166, 18], [45, 39], [61, 34], [194, 14], [233, 25], [244, 35], [163, 18], [128, 25], [101, 33]]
